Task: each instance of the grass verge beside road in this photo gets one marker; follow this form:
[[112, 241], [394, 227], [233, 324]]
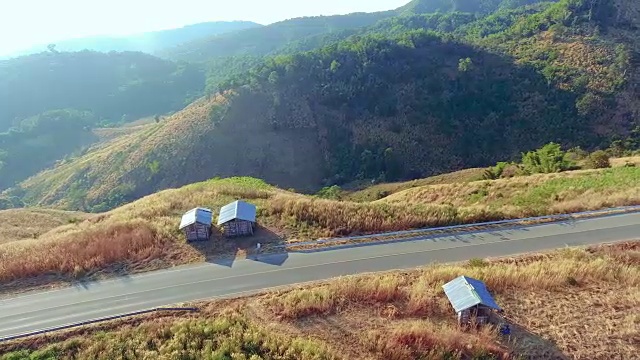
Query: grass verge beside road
[[144, 235], [395, 315]]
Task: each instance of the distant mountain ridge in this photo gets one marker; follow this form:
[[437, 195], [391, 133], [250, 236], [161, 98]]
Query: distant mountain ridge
[[272, 38], [148, 42]]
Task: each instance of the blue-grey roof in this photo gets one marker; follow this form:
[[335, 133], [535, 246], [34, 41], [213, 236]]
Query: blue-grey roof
[[464, 292], [197, 215], [237, 210]]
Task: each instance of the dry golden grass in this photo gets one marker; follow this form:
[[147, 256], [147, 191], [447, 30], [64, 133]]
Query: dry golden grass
[[420, 339], [574, 303], [418, 291], [228, 336], [143, 235], [23, 224], [380, 191], [583, 300], [98, 249], [625, 161]]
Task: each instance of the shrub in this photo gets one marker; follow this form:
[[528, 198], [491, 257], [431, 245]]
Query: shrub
[[495, 172], [548, 159], [598, 160], [577, 154], [330, 192]]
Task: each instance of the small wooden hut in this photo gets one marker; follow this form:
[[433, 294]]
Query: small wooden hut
[[471, 300], [196, 224], [237, 219]]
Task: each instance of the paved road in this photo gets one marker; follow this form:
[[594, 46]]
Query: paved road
[[56, 308]]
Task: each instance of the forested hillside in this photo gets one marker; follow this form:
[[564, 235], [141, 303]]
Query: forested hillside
[[414, 96], [232, 54], [467, 6], [51, 102], [41, 140], [114, 86], [273, 38]]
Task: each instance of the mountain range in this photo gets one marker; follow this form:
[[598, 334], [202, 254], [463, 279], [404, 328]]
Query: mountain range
[[434, 86], [149, 42]]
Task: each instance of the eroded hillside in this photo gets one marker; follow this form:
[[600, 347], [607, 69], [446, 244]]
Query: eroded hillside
[[217, 136]]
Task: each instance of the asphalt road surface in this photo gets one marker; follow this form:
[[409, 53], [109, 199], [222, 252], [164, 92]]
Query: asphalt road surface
[[89, 301]]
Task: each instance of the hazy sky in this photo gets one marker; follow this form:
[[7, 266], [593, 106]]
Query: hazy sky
[[24, 23]]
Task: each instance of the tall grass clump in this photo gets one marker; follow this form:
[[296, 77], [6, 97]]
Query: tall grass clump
[[420, 294], [335, 218], [227, 337], [543, 274], [339, 294], [427, 340], [75, 255]]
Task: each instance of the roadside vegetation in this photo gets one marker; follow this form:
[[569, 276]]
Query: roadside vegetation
[[144, 235], [397, 315]]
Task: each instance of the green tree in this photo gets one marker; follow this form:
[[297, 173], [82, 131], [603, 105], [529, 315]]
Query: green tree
[[495, 172], [330, 192], [465, 65], [154, 167], [548, 159], [392, 165]]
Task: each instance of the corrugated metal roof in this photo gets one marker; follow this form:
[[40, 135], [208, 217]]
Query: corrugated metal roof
[[197, 215], [239, 210], [464, 292]]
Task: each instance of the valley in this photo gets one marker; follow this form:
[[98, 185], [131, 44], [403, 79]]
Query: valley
[[434, 114]]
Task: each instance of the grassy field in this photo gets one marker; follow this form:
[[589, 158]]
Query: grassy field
[[533, 195], [144, 235], [392, 316], [24, 224], [379, 191]]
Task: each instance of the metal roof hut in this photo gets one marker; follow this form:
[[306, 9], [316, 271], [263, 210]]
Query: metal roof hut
[[196, 224], [470, 299], [237, 219]]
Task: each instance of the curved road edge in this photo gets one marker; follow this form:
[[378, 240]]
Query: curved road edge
[[63, 309]]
